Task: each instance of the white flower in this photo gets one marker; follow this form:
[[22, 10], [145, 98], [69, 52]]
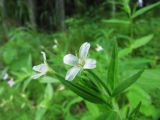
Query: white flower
[[8, 79], [140, 3], [41, 69], [11, 82], [79, 63], [99, 48]]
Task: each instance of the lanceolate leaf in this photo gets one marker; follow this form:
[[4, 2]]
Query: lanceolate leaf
[[88, 83], [82, 91], [135, 44], [101, 82], [49, 92], [126, 83], [117, 21], [141, 41], [112, 71], [145, 9], [126, 6]]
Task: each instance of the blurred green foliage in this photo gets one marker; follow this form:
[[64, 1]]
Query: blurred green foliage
[[47, 99]]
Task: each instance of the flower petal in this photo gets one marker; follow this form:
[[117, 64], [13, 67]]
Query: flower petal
[[83, 51], [11, 82], [6, 76], [36, 76], [140, 3], [42, 68], [71, 74], [70, 59], [90, 64], [44, 57]]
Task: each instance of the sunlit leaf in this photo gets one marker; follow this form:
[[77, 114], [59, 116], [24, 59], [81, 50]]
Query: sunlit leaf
[[141, 41], [49, 92], [127, 83], [145, 9], [116, 21], [135, 44]]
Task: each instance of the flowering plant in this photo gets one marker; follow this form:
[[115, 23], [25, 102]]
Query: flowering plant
[[91, 86]]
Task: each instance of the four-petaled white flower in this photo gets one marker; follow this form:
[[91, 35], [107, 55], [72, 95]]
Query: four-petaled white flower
[[99, 48], [140, 3], [41, 69], [79, 63]]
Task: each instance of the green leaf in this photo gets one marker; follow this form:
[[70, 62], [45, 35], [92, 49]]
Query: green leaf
[[113, 115], [93, 109], [26, 83], [116, 21], [134, 112], [40, 113], [124, 52], [152, 81], [81, 91], [101, 82], [48, 92], [48, 79], [145, 9], [127, 113], [126, 6], [127, 83], [90, 84], [147, 107], [136, 44], [141, 41], [112, 70]]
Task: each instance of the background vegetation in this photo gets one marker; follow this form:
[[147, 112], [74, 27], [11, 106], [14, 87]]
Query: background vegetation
[[61, 26]]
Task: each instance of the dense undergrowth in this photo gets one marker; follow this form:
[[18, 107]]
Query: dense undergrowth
[[138, 47]]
